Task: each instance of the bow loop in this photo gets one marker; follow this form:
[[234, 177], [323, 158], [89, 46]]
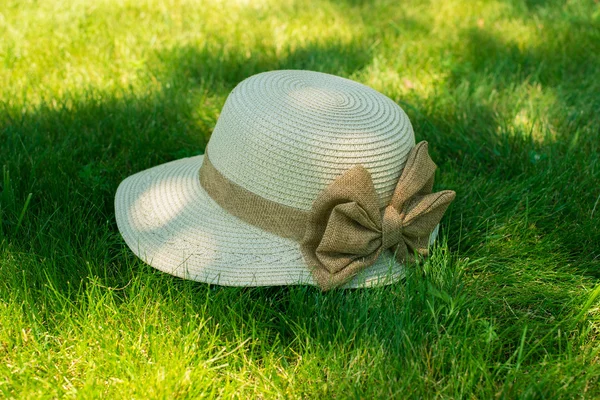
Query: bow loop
[[346, 232], [344, 228], [417, 176], [349, 233]]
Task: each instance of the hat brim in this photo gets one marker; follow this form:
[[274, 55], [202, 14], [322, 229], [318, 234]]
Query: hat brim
[[169, 221]]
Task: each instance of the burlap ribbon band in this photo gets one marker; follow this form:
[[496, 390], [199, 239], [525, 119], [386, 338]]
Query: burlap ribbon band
[[345, 231]]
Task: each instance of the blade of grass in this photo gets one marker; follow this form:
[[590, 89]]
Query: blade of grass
[[22, 214]]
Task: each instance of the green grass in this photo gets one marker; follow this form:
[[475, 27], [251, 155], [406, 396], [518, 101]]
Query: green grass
[[506, 92]]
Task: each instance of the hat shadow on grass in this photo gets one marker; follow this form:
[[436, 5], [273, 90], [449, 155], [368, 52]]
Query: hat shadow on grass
[[85, 145]]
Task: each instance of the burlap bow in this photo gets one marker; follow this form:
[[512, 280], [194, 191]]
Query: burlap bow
[[346, 231]]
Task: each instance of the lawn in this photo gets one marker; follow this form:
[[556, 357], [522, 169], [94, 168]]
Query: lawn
[[506, 92]]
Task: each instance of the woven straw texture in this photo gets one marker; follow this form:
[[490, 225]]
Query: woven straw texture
[[286, 135], [283, 135]]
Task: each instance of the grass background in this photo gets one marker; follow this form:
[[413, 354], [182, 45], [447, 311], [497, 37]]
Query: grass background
[[506, 92]]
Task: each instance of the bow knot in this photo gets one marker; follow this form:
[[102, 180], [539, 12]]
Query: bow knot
[[391, 227], [346, 231]]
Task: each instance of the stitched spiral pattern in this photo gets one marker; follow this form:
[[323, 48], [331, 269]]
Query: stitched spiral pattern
[[285, 135]]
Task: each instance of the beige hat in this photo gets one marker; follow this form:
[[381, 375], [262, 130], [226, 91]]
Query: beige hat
[[308, 178]]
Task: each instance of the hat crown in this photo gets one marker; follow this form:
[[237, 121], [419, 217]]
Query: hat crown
[[286, 135]]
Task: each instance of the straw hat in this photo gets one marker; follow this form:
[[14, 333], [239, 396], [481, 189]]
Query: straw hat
[[308, 178]]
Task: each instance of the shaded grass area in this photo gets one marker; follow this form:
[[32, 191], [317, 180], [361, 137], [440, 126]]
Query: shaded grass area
[[506, 92]]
